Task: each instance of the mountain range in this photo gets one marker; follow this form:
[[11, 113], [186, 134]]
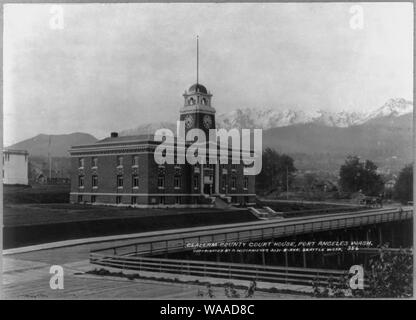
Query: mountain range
[[271, 118], [267, 118], [317, 141]]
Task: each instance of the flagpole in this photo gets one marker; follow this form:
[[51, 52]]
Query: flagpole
[[197, 59], [50, 160]]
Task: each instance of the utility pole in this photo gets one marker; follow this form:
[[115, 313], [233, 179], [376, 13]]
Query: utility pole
[[287, 183], [50, 160]]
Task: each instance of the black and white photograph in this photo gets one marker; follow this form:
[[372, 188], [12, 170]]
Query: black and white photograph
[[207, 151]]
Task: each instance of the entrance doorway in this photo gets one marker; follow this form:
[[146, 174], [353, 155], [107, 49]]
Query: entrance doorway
[[207, 188]]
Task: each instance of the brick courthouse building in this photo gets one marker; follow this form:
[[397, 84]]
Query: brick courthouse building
[[121, 170]]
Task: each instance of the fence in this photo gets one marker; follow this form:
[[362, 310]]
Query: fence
[[172, 242], [131, 256], [271, 274]]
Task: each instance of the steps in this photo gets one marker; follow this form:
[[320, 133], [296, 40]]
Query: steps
[[221, 204], [210, 199], [265, 213]]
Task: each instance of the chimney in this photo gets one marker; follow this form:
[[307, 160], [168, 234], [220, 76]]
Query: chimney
[[114, 134]]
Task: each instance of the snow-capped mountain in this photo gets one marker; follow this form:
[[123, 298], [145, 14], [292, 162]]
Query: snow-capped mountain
[[341, 119], [392, 108], [261, 118], [267, 118], [272, 118]]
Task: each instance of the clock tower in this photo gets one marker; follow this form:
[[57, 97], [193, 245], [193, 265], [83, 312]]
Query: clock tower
[[197, 111]]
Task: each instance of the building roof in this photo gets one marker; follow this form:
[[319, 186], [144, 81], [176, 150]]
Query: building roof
[[120, 140], [141, 137], [15, 151], [134, 140], [198, 88]]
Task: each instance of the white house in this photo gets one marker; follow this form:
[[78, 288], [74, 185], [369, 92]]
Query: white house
[[15, 166]]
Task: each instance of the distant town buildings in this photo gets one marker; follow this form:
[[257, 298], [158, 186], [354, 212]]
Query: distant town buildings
[[15, 167]]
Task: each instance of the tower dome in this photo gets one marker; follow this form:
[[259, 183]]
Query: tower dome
[[198, 88]]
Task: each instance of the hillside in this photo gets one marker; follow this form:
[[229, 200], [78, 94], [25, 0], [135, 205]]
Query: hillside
[[59, 144], [387, 141]]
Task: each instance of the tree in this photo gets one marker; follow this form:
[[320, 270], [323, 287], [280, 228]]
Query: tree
[[389, 275], [309, 181], [403, 189], [277, 170], [356, 175]]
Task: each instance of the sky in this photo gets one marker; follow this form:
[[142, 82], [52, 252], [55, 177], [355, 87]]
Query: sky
[[98, 68]]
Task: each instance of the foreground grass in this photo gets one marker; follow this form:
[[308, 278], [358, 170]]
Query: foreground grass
[[35, 224]]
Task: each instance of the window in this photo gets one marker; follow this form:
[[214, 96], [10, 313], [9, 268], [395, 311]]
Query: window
[[118, 199], [94, 181], [81, 181], [135, 181], [79, 199], [177, 182], [119, 161], [178, 200], [133, 200], [94, 162], [195, 182], [245, 182], [93, 199], [81, 162], [162, 200], [161, 169], [178, 170], [135, 160], [119, 181], [233, 182], [161, 182], [224, 182]]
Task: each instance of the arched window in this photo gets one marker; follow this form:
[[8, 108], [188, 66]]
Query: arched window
[[191, 101], [204, 101]]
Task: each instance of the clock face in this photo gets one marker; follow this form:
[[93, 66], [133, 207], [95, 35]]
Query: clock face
[[207, 121], [189, 121]]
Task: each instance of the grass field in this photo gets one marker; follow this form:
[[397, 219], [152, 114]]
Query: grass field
[[27, 214], [29, 224], [36, 194]]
